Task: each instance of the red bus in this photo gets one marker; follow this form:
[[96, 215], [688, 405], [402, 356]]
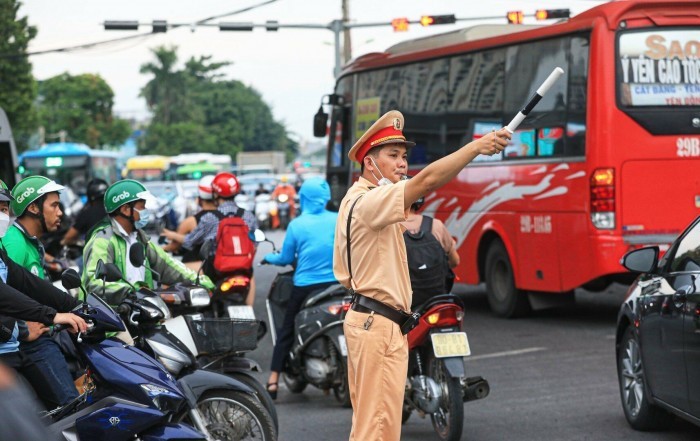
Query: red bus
[[606, 162]]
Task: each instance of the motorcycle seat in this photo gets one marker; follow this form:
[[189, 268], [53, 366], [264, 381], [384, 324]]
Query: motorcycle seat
[[336, 290], [442, 298]]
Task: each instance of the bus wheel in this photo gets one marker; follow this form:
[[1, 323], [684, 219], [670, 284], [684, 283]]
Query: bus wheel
[[504, 298]]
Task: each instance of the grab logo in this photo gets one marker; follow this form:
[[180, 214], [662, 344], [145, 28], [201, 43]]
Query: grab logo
[[28, 192], [120, 197]]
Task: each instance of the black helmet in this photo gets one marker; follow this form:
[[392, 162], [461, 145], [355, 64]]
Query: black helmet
[[96, 189]]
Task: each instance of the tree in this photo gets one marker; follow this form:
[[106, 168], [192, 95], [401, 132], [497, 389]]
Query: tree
[[166, 93], [82, 106], [227, 115], [17, 85]]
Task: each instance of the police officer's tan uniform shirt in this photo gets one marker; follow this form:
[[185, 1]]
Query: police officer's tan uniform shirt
[[379, 263]]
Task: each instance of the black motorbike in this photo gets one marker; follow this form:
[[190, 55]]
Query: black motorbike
[[214, 344], [319, 354]]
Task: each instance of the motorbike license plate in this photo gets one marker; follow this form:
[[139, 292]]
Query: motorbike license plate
[[451, 344], [343, 345], [241, 312]]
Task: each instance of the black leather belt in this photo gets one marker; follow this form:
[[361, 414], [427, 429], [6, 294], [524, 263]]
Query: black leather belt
[[368, 305]]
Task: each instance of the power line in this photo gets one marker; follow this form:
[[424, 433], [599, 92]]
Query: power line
[[145, 35]]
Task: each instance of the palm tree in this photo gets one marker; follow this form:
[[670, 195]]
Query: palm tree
[[167, 88]]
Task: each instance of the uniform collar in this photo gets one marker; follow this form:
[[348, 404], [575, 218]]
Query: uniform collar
[[138, 234], [365, 183], [24, 231]]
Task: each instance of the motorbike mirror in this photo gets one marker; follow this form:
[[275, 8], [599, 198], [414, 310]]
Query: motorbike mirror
[[70, 279], [320, 123], [100, 270], [258, 236], [112, 273], [137, 254], [205, 250]]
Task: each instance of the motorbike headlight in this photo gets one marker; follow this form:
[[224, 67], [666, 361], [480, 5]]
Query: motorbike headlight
[[158, 304], [172, 359], [164, 399], [283, 198], [199, 297]]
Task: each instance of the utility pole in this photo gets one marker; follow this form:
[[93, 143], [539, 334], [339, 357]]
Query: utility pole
[[347, 44]]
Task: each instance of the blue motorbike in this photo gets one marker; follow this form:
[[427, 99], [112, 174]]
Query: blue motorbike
[[130, 396]]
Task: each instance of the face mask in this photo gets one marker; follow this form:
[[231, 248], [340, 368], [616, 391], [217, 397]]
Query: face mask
[[144, 217], [383, 181], [4, 223]]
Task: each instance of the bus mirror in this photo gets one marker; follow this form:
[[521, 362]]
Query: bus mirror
[[320, 123]]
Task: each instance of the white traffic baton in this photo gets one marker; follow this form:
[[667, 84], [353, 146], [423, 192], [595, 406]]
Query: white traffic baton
[[551, 79]]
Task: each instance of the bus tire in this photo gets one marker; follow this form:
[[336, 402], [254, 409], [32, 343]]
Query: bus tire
[[504, 298]]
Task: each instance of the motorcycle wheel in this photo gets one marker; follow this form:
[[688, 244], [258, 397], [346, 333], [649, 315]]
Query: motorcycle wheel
[[260, 392], [235, 416], [342, 390], [296, 384], [449, 418]]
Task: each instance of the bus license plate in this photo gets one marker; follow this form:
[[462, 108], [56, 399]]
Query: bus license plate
[[451, 344], [343, 345]]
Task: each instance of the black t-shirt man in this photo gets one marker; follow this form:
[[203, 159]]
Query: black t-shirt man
[[89, 216]]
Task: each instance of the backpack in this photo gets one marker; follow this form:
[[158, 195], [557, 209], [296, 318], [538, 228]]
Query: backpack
[[427, 263], [234, 248]]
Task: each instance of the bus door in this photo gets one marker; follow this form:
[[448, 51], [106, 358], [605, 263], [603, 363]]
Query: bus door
[[8, 153]]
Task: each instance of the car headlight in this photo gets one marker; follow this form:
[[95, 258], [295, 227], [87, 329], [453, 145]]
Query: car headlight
[[199, 297]]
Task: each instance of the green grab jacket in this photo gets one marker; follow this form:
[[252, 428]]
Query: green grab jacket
[[109, 244]]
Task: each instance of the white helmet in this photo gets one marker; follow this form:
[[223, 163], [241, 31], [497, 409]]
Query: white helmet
[[204, 188]]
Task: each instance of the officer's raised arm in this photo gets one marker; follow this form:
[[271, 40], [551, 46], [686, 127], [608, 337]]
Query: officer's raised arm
[[440, 172]]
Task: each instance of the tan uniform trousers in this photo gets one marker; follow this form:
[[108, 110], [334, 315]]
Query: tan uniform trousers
[[377, 367]]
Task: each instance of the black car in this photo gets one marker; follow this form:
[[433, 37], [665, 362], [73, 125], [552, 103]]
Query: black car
[[658, 335]]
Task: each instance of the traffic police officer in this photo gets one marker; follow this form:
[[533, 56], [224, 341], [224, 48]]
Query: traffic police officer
[[375, 267]]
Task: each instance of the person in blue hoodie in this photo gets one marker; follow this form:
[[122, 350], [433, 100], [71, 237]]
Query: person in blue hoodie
[[309, 242]]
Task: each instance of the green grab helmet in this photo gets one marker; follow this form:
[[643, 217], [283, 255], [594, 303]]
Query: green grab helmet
[[125, 191], [29, 190], [5, 195]]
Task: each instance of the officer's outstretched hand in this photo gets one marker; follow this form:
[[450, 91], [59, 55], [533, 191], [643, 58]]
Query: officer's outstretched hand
[[70, 319]]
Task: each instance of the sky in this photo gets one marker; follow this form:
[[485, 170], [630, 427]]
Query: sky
[[291, 68]]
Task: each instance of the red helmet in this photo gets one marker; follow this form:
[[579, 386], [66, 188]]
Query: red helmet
[[225, 185]]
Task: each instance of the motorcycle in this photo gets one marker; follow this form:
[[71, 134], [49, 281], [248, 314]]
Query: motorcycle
[[213, 344], [127, 394], [319, 354], [264, 206], [437, 384], [232, 287], [283, 211]]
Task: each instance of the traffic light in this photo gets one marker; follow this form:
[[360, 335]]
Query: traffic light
[[515, 17], [429, 20], [400, 24], [546, 14]]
